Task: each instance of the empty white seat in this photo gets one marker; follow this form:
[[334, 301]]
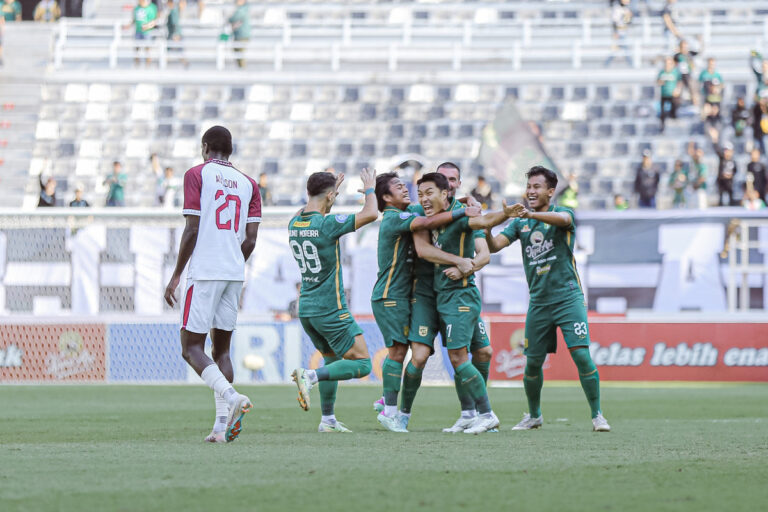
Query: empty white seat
[[301, 112], [87, 167], [100, 93], [97, 112], [280, 130], [76, 93], [90, 148], [260, 93], [467, 93], [47, 130], [186, 148], [421, 93], [143, 112], [137, 148], [146, 92]]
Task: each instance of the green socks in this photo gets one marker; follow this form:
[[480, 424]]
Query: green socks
[[328, 390], [533, 380], [484, 368], [345, 369], [411, 384], [466, 401], [590, 379], [472, 382], [391, 373]]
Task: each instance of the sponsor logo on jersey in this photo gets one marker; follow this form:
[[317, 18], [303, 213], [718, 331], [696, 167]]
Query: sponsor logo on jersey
[[539, 245], [341, 219], [526, 229], [301, 224], [423, 330], [406, 215], [543, 270]]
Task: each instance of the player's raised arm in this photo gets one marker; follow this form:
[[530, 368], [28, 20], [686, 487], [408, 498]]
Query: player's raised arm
[[491, 219], [557, 219], [370, 211], [443, 218], [432, 254]]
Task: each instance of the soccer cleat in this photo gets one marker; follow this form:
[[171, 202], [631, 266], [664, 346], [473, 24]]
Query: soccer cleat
[[336, 426], [483, 423], [215, 437], [461, 424], [299, 376], [235, 417], [529, 423], [378, 405], [392, 423], [403, 420], [600, 424]]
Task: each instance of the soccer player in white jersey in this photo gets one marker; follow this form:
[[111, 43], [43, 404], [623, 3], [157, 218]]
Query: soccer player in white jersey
[[222, 207]]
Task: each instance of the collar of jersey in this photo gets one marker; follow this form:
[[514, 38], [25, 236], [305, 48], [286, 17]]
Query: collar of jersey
[[221, 162], [303, 213], [393, 209]]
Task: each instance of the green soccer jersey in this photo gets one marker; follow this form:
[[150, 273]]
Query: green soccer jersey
[[549, 264], [395, 255], [314, 241], [455, 238], [142, 16]]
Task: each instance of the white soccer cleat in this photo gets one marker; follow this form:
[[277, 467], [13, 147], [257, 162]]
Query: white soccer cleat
[[600, 424], [529, 423], [336, 426], [215, 437], [483, 423], [242, 406], [392, 423], [299, 376], [461, 424]]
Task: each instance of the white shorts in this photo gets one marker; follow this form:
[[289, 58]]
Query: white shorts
[[210, 305]]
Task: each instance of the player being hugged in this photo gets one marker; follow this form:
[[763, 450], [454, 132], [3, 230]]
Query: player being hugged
[[222, 207], [547, 234], [314, 240]]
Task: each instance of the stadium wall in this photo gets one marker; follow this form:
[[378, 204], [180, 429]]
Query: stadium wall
[[148, 351]]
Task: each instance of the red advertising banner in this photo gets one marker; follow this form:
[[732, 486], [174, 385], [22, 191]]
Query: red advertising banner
[[646, 352], [50, 352]]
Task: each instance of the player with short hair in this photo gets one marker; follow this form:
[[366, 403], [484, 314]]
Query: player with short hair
[[391, 297], [547, 234], [222, 207], [457, 297], [323, 313]]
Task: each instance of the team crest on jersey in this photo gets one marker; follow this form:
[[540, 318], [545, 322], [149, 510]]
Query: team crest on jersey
[[423, 330], [405, 215], [526, 229], [341, 219]]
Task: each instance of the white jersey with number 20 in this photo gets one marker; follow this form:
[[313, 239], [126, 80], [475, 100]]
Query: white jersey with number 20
[[226, 200]]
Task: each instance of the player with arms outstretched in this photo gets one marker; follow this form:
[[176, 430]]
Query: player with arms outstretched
[[458, 300], [547, 234], [314, 239], [222, 207], [391, 298]]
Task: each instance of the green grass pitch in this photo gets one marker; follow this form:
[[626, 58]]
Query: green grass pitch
[[139, 448]]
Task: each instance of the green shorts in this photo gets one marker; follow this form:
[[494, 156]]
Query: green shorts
[[479, 336], [459, 312], [424, 321], [541, 325], [393, 317], [334, 332]]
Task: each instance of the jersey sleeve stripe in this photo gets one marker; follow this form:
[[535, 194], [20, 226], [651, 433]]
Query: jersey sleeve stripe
[[253, 219], [189, 211]]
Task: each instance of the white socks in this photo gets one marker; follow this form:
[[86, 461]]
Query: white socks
[[217, 382], [390, 411], [470, 413], [222, 411], [312, 376], [328, 419]]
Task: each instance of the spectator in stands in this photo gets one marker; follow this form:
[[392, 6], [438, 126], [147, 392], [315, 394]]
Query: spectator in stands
[[698, 174], [669, 80], [739, 117], [171, 187], [47, 192], [752, 199], [569, 197], [678, 182], [669, 17], [116, 182], [144, 19], [266, 193], [756, 172], [760, 68], [621, 17], [726, 174], [620, 203], [241, 28], [483, 193], [78, 201], [47, 11], [685, 64], [173, 27], [11, 10], [711, 89], [760, 120], [647, 182]]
